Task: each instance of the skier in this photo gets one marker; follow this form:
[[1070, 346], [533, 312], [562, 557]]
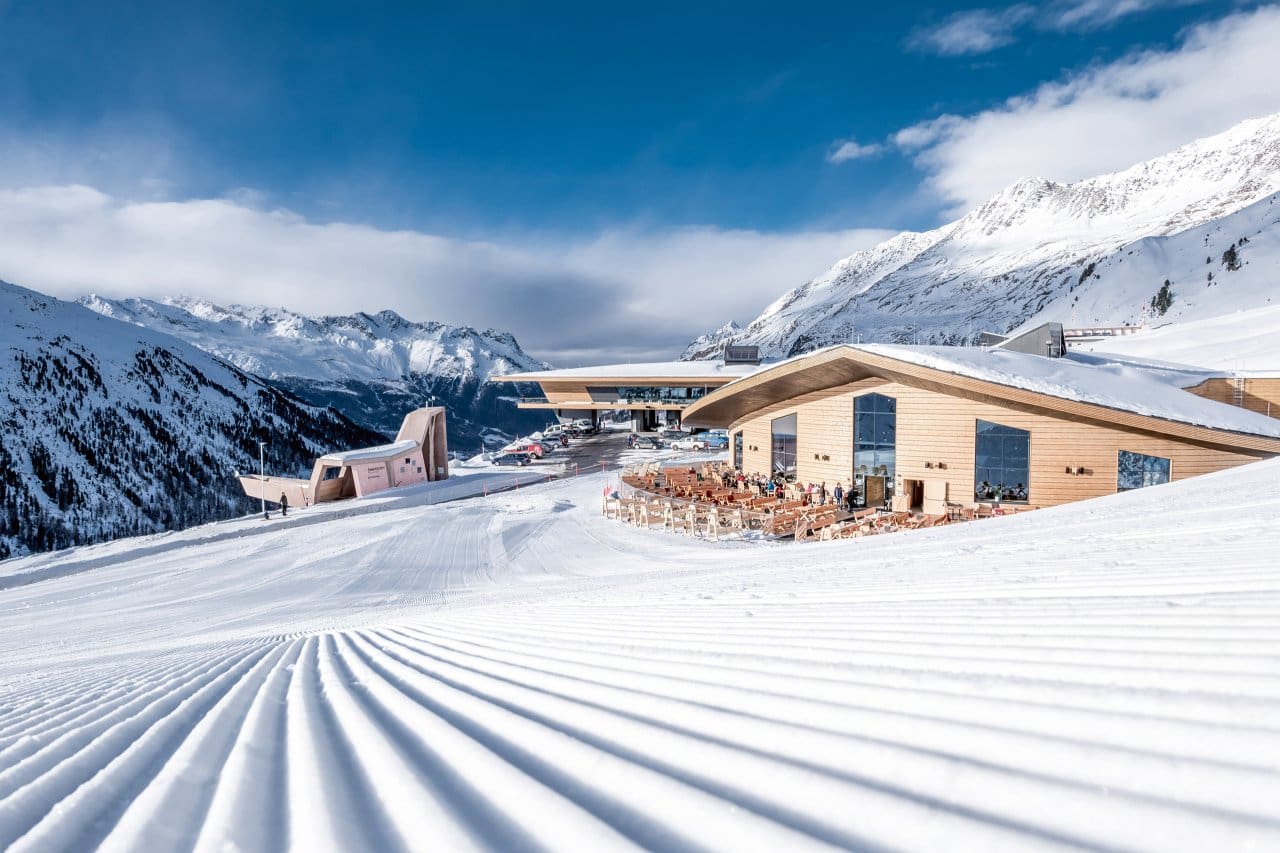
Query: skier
[[284, 505]]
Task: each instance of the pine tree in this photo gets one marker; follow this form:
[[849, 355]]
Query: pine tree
[[1231, 259], [1163, 299]]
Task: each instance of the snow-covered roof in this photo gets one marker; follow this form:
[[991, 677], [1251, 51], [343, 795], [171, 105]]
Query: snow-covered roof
[[368, 453], [1152, 391], [704, 369]]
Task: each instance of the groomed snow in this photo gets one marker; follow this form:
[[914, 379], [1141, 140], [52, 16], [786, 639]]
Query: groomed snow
[[1117, 384], [517, 672]]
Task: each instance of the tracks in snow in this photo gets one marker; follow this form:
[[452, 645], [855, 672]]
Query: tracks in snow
[[962, 688], [884, 724]]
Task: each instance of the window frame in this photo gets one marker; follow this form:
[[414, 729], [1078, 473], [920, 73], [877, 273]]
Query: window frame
[[874, 408], [1168, 470], [979, 453], [774, 452]]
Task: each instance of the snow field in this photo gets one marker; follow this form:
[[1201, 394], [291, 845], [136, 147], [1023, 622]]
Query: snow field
[[518, 673]]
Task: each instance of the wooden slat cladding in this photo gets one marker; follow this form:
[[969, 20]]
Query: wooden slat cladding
[[822, 371], [824, 427], [1257, 394], [939, 428]]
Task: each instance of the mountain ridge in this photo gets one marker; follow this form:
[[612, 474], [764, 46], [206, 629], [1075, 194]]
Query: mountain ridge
[[1034, 252], [112, 429], [371, 367]]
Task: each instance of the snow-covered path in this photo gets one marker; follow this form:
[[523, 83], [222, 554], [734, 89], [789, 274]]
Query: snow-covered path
[[518, 673]]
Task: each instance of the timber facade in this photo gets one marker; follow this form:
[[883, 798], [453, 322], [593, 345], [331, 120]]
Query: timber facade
[[936, 430]]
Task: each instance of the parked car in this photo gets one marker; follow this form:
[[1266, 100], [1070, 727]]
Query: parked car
[[517, 459], [671, 431], [524, 445], [648, 442], [553, 431], [584, 426], [714, 440], [689, 442]]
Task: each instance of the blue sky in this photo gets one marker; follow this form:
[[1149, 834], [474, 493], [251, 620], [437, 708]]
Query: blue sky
[[571, 140]]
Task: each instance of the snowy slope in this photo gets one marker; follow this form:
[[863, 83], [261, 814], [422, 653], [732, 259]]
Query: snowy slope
[[1242, 342], [518, 673], [1093, 252], [111, 430], [372, 368]]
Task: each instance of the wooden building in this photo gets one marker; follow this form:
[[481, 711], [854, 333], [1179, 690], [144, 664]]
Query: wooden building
[[917, 427]]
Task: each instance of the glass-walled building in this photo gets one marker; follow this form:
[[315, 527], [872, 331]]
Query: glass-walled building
[[653, 392]]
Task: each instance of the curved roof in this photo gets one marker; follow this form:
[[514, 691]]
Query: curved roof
[[1112, 395], [657, 371]]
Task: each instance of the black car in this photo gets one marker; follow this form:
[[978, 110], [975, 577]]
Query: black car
[[648, 442], [517, 459]]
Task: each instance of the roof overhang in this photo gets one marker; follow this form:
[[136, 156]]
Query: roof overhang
[[833, 369], [605, 379]]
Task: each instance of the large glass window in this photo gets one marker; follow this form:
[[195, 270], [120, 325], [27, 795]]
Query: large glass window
[[1002, 463], [875, 444], [784, 445], [1136, 470], [737, 450], [646, 393]]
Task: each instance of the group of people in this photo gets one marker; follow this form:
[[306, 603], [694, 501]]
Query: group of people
[[1000, 492], [813, 494]]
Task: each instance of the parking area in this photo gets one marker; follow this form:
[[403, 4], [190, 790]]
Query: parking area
[[586, 453]]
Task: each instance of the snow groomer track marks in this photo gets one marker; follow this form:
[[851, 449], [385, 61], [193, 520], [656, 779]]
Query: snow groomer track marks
[[986, 685]]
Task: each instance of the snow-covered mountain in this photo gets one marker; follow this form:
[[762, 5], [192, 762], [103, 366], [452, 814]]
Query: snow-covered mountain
[[110, 429], [371, 368], [1204, 217]]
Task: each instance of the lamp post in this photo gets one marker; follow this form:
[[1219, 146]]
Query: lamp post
[[262, 479]]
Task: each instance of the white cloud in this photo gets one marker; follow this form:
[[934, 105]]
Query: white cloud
[[1107, 117], [975, 31], [1084, 15], [972, 31], [627, 293], [844, 150]]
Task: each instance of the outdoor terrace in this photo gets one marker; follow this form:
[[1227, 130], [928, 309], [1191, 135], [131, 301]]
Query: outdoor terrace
[[694, 500]]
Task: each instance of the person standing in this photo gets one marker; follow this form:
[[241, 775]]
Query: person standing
[[837, 495], [284, 504]]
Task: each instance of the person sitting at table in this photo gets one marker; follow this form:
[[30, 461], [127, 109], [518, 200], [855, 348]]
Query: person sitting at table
[[1019, 492], [983, 492]]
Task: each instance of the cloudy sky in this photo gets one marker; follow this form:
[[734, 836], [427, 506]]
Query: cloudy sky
[[604, 181]]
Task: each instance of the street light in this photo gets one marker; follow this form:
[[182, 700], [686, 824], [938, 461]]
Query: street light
[[262, 479]]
